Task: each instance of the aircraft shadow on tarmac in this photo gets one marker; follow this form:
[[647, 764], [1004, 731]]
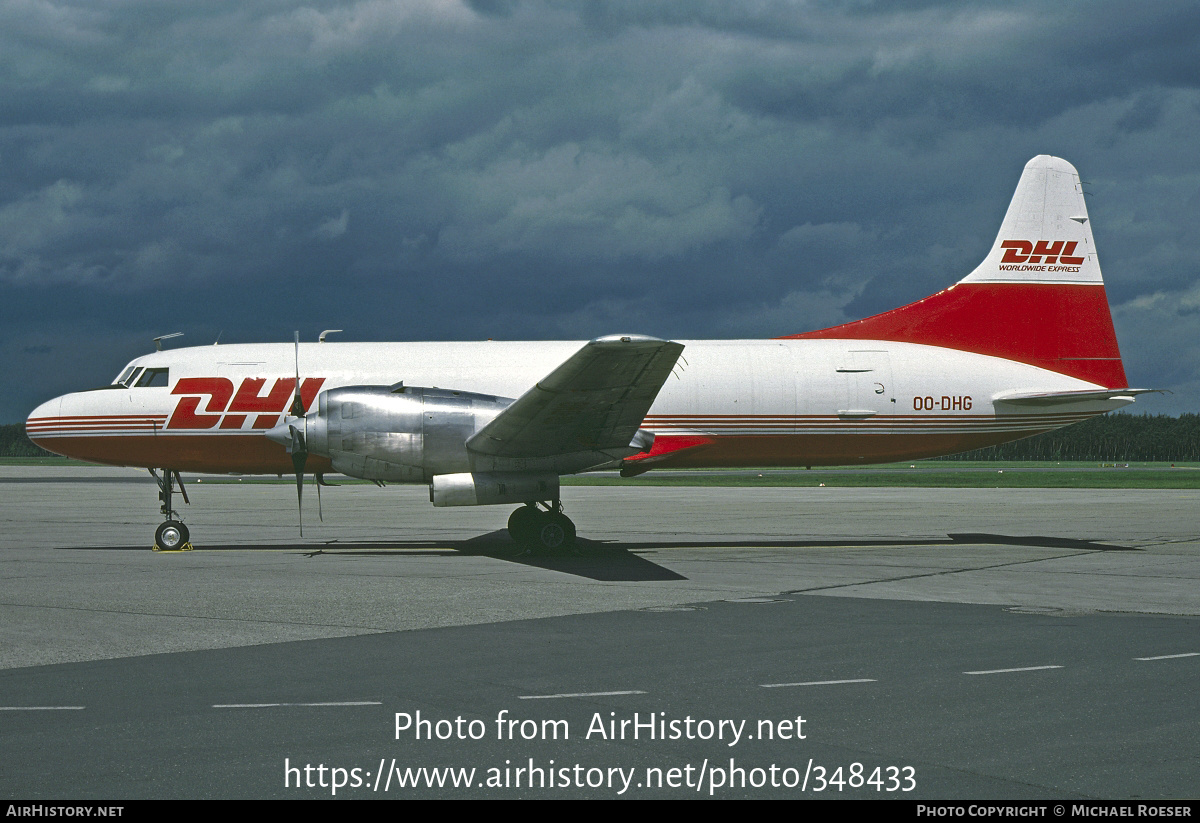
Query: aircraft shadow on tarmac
[[1040, 542], [619, 562], [587, 558]]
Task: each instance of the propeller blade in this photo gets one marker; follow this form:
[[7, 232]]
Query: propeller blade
[[299, 459], [297, 403], [299, 448], [319, 479], [300, 499]]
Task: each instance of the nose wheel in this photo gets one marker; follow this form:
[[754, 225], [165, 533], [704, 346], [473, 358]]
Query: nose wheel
[[547, 530], [172, 535]]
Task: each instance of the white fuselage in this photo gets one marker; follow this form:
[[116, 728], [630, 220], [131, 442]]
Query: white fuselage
[[751, 402]]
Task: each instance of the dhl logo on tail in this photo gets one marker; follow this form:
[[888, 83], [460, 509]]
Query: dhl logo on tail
[[1023, 251]]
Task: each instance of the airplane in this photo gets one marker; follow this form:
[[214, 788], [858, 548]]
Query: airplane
[[1022, 345]]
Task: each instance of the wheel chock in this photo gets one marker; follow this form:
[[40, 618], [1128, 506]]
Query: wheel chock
[[186, 547]]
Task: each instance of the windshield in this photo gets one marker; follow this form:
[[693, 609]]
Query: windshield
[[139, 377], [152, 377]]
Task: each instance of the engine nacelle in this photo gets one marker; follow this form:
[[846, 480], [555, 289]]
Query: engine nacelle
[[402, 435], [485, 488]]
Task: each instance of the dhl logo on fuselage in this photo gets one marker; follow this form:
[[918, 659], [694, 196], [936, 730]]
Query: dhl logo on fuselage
[[1044, 251], [226, 409]]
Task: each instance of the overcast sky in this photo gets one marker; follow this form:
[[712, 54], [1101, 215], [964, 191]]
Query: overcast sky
[[437, 169]]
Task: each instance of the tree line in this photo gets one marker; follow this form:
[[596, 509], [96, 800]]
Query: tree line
[[1110, 437], [14, 443]]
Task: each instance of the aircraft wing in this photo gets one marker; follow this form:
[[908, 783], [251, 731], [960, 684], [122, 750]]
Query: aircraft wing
[[596, 400]]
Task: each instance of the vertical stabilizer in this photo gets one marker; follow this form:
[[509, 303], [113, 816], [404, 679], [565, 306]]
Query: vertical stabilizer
[[1038, 297], [1046, 236]]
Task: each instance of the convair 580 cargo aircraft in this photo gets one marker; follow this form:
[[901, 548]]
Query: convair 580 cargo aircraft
[[1021, 345]]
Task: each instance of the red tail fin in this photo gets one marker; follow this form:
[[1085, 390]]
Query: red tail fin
[[1038, 297]]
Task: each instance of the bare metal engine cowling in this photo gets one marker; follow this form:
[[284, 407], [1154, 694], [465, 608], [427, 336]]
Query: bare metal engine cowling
[[402, 435]]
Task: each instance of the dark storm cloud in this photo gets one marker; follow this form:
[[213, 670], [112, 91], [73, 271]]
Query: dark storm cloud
[[437, 169]]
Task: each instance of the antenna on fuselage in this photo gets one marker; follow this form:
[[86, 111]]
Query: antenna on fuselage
[[158, 340], [321, 339]]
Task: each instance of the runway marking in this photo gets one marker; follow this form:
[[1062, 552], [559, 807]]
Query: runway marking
[[41, 708], [1170, 656], [576, 694], [1024, 669], [274, 705], [818, 683]]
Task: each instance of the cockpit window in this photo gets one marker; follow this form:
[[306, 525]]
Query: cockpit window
[[153, 377], [123, 380]]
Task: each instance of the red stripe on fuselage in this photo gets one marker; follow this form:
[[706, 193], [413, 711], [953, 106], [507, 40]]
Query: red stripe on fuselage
[[1063, 327], [835, 449], [213, 453], [254, 454]]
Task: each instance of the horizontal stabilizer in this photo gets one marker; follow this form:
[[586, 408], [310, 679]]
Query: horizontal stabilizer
[[1058, 398]]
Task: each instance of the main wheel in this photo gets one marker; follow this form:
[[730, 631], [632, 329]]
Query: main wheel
[[554, 532], [170, 536], [523, 522]]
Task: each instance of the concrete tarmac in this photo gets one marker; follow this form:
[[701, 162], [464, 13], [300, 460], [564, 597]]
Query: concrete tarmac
[[688, 601]]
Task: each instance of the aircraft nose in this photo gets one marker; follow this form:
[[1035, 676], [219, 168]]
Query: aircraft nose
[[42, 422]]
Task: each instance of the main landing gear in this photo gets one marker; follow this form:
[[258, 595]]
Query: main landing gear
[[549, 530], [172, 535]]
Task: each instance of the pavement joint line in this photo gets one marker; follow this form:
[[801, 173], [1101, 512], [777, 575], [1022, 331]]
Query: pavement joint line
[[577, 694], [364, 629], [275, 705], [939, 573], [818, 683], [1022, 669], [1170, 656], [41, 708]]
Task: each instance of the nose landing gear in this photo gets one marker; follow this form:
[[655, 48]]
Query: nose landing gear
[[172, 535], [548, 530]]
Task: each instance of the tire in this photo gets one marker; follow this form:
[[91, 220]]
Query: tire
[[523, 522], [555, 532], [568, 529], [171, 536]]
